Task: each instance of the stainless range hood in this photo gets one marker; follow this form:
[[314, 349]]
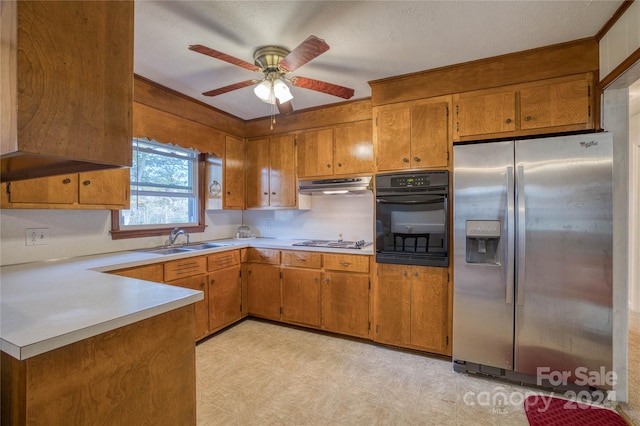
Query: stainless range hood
[[352, 185]]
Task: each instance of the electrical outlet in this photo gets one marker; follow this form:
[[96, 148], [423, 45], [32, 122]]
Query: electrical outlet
[[37, 236]]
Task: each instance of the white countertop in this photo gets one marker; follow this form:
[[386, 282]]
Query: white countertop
[[50, 304]]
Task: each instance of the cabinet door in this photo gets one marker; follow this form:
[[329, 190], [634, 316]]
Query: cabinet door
[[106, 188], [198, 282], [483, 113], [301, 296], [257, 173], [345, 303], [282, 174], [263, 288], [430, 309], [393, 305], [51, 190], [233, 183], [430, 135], [558, 104], [224, 297], [394, 139], [353, 149], [315, 153]]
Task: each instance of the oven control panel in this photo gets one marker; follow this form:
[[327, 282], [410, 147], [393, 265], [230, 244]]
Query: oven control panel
[[410, 181]]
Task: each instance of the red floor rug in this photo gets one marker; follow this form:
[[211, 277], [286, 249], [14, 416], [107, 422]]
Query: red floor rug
[[543, 410]]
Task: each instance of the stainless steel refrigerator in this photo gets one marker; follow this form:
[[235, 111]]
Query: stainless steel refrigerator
[[533, 256]]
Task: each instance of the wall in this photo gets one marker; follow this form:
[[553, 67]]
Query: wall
[[634, 191], [329, 216], [85, 232]]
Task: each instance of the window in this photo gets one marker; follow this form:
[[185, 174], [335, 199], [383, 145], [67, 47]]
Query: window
[[165, 189]]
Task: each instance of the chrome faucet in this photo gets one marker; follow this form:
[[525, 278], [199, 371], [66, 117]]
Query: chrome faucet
[[175, 232]]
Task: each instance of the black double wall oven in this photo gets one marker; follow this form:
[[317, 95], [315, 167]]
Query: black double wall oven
[[412, 211]]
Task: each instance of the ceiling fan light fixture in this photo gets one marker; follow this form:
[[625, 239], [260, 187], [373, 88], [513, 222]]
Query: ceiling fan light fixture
[[282, 91], [264, 91]]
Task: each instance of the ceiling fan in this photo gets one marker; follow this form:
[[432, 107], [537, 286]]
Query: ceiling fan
[[275, 63]]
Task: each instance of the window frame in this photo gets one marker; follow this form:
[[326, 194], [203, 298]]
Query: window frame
[[117, 233]]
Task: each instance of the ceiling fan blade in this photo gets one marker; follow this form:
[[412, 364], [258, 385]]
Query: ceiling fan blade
[[321, 86], [306, 51], [224, 57], [229, 88], [285, 108]]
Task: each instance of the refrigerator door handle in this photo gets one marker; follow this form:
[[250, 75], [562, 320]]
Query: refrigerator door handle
[[509, 240], [521, 235]]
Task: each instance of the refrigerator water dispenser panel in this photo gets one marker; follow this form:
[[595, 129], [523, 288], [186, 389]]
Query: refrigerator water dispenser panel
[[483, 241]]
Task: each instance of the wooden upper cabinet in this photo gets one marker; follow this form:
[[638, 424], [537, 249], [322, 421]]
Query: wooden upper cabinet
[[558, 103], [257, 173], [353, 148], [271, 172], [282, 171], [233, 183], [483, 113], [105, 189], [561, 104], [68, 96], [315, 153], [340, 150], [413, 135]]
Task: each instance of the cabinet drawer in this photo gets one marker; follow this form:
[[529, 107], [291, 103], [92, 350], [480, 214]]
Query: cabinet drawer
[[260, 255], [185, 268], [223, 260], [302, 259], [346, 262]]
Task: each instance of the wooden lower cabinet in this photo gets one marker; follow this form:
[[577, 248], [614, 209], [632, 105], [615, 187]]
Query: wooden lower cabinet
[[263, 288], [301, 296], [153, 272], [198, 282], [345, 303], [412, 307], [141, 373], [225, 297]]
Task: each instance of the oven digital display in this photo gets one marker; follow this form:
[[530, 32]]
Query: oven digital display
[[410, 181]]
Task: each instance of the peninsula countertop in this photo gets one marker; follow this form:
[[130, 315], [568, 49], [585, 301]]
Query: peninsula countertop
[[49, 304]]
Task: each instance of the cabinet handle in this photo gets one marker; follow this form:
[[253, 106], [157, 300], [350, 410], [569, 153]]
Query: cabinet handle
[[328, 166], [345, 264], [405, 160], [415, 274], [528, 118], [212, 281], [416, 159], [301, 259], [339, 164], [315, 279], [202, 285], [66, 181], [273, 193], [266, 193], [404, 273], [508, 120], [228, 192], [327, 280], [86, 182]]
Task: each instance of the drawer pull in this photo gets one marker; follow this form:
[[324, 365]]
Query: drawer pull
[[345, 264], [508, 120], [528, 118], [416, 159], [66, 181], [405, 160], [301, 259], [86, 182]]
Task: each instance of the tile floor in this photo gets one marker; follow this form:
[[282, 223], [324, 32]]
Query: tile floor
[[259, 373]]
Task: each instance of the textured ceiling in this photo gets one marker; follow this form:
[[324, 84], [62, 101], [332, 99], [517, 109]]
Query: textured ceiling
[[369, 40]]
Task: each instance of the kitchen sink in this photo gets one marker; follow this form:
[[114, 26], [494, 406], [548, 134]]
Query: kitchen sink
[[170, 250], [184, 249]]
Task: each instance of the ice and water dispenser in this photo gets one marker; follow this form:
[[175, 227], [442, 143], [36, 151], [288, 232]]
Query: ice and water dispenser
[[483, 241]]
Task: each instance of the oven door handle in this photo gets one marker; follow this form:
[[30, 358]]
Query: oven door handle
[[408, 202]]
